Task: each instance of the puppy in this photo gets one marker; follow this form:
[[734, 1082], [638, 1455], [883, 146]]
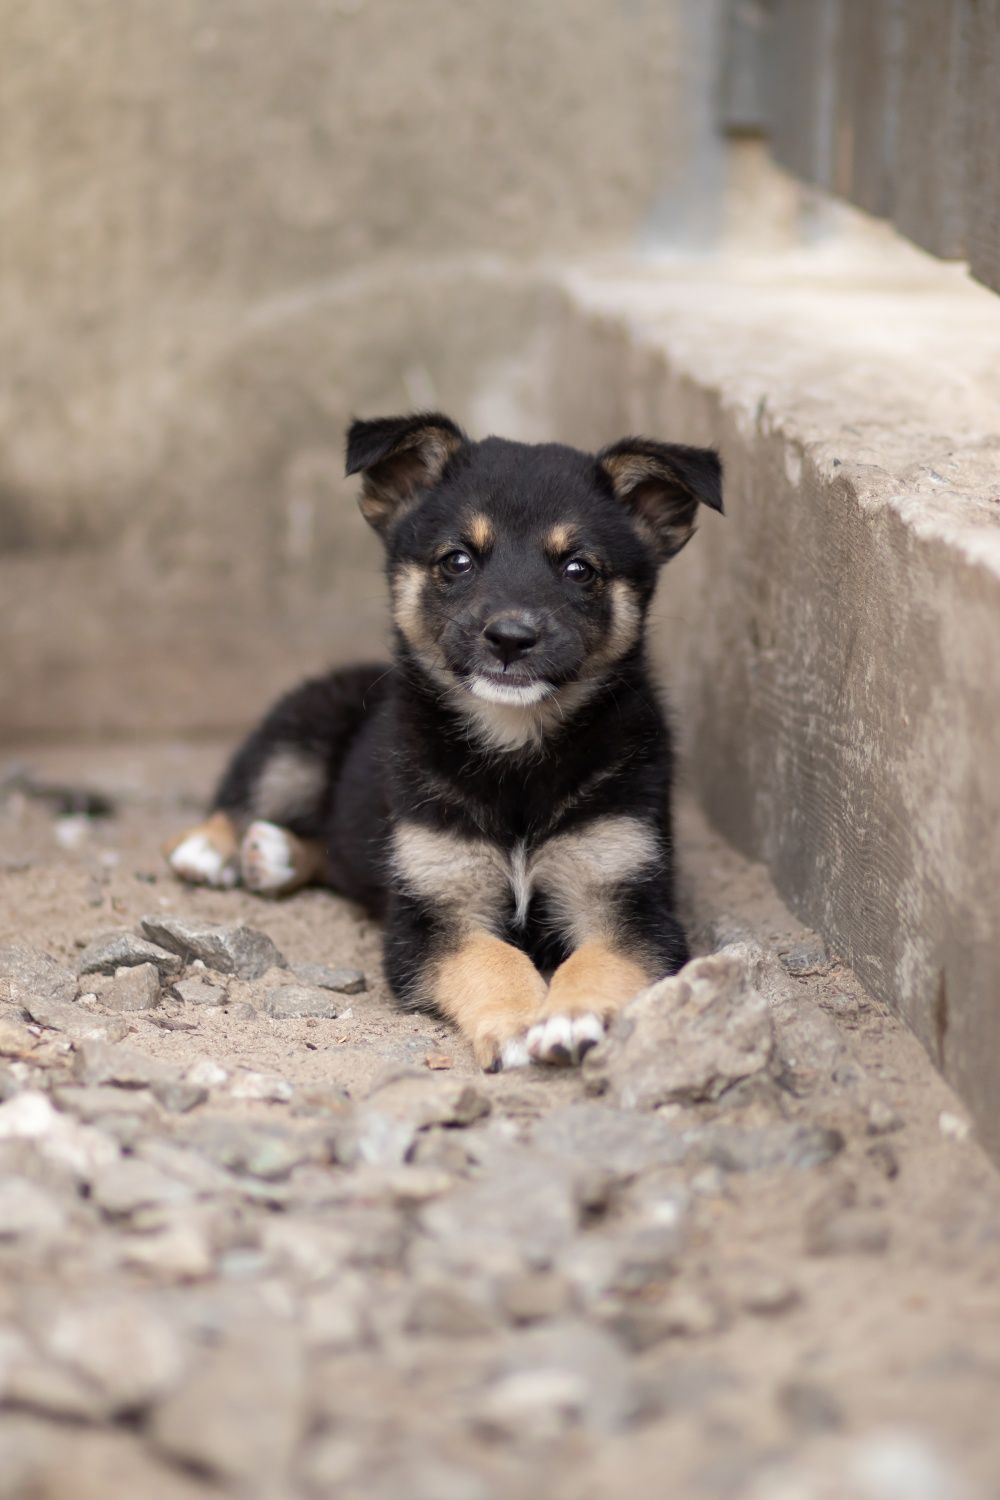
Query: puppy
[[500, 794]]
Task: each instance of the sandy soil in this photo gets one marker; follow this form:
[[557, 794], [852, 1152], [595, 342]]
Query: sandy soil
[[821, 1322]]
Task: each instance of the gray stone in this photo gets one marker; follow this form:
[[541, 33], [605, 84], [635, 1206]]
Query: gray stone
[[133, 989], [96, 1102], [449, 1308], [335, 1317], [535, 1296], [424, 1099], [805, 958], [28, 1211], [96, 1062], [367, 1136], [198, 992], [242, 951], [76, 1021], [239, 1415], [342, 981], [27, 976], [118, 950], [811, 1408], [290, 1001], [624, 1144], [849, 1231], [736, 1148], [16, 1040], [686, 1039], [178, 1095], [81, 1149], [557, 1376], [129, 1351], [269, 1088], [130, 1184], [524, 1201], [243, 1146]]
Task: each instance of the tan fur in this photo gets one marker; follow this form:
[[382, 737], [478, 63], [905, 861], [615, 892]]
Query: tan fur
[[219, 830], [559, 539], [290, 785], [626, 623], [491, 991], [578, 871], [480, 532], [407, 591], [392, 487], [468, 877], [596, 979]]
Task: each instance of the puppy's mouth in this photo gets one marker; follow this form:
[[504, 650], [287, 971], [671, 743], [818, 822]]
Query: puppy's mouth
[[508, 685]]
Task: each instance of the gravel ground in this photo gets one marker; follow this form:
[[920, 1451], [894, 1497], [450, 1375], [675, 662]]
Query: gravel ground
[[261, 1235]]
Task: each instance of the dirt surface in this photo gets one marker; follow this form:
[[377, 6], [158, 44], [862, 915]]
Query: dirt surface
[[749, 1250]]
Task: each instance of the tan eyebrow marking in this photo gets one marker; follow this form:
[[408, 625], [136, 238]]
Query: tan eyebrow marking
[[480, 532], [560, 539]]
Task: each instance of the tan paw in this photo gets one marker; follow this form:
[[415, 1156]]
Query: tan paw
[[207, 854]]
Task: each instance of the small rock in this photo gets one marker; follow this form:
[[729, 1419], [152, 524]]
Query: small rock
[[422, 1101], [291, 1001], [94, 1102], [30, 1116], [438, 1062], [805, 958], [882, 1118], [245, 1147], [811, 1408], [239, 1415], [180, 1252], [336, 1316], [28, 976], [768, 1295], [206, 1074], [119, 950], [342, 981], [198, 992], [535, 1296], [686, 1039], [27, 1211], [952, 1126], [15, 1039], [130, 1184], [134, 989], [242, 951], [178, 1095], [268, 1087], [129, 1351], [450, 1309], [558, 1375], [96, 1062]]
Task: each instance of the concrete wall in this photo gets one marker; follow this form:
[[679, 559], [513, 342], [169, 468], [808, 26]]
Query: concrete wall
[[832, 644], [228, 227]]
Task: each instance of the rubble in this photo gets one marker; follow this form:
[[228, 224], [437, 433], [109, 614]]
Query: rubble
[[242, 951]]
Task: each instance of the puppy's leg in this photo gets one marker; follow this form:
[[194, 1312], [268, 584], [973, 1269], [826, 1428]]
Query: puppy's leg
[[487, 988], [608, 887], [271, 810], [207, 854]]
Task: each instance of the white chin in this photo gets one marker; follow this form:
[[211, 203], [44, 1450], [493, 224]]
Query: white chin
[[498, 691]]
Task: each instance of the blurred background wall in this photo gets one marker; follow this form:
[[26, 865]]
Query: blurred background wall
[[225, 228]]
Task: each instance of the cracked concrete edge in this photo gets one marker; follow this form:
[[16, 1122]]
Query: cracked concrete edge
[[832, 647]]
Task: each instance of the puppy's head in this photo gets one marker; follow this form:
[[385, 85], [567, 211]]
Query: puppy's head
[[518, 570]]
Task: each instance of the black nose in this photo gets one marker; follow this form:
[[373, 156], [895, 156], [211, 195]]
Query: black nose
[[510, 636]]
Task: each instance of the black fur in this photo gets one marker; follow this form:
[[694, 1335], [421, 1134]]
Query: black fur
[[412, 743]]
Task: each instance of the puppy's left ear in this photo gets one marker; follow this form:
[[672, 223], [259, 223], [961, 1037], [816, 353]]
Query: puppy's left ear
[[661, 485], [401, 458]]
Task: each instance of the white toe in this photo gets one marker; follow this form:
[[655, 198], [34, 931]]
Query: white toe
[[514, 1054], [266, 856], [197, 860], [564, 1039]]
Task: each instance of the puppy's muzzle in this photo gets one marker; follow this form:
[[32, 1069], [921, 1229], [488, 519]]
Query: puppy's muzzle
[[511, 636]]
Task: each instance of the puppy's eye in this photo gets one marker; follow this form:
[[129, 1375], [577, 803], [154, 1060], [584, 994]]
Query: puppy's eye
[[456, 563], [577, 570]]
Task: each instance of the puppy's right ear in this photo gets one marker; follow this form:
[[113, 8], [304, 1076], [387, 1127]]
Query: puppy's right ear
[[400, 458]]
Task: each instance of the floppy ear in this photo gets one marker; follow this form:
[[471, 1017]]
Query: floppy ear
[[400, 457], [662, 485]]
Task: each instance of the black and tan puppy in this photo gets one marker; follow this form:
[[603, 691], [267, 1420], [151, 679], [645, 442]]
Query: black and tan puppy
[[500, 795]]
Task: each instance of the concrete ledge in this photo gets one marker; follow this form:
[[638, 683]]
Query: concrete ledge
[[833, 647]]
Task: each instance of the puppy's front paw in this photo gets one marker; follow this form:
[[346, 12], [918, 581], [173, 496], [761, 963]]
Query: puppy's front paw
[[564, 1040], [206, 855], [496, 1055]]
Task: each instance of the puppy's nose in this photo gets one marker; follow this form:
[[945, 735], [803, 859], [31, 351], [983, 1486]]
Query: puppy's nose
[[511, 636]]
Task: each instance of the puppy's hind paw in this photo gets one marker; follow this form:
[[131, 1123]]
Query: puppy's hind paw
[[206, 855], [274, 861], [563, 1041]]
